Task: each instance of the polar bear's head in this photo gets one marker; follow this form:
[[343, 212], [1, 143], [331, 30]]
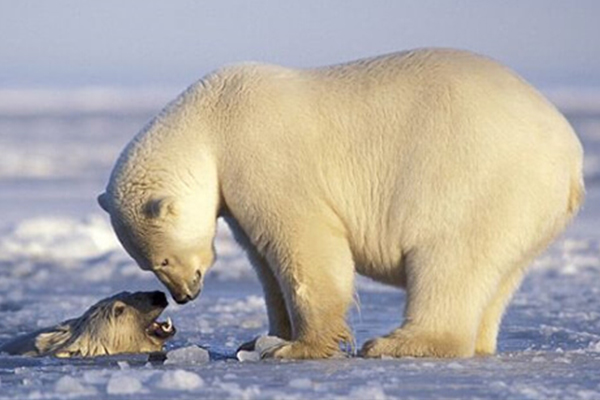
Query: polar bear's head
[[163, 196], [172, 237]]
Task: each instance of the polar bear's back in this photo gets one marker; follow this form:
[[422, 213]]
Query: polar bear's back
[[439, 106]]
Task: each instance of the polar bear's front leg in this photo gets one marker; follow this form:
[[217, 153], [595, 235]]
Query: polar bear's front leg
[[279, 321], [316, 276]]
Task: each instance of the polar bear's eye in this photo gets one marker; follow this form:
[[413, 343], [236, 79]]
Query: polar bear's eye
[[165, 263]]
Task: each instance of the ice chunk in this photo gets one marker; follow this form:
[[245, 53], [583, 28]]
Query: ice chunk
[[244, 355], [191, 355], [595, 347], [261, 345], [123, 365], [123, 384], [180, 380], [264, 343], [96, 376], [455, 365], [70, 385]]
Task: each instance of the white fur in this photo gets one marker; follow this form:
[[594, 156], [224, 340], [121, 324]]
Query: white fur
[[436, 170], [114, 325]]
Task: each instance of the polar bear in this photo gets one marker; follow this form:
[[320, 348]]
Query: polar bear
[[123, 323], [436, 170]]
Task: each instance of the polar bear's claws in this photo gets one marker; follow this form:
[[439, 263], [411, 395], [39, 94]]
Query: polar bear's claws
[[301, 351], [405, 344]]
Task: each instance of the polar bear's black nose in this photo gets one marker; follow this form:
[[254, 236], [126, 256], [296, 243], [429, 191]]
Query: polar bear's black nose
[[183, 300], [159, 299]]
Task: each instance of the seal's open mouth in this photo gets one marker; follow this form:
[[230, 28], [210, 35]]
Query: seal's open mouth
[[161, 330]]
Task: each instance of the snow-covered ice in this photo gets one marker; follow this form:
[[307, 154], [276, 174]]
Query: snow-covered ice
[[189, 355], [58, 256], [123, 384], [71, 386], [180, 380]]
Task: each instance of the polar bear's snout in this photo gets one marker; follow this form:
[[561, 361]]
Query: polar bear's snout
[[183, 286]]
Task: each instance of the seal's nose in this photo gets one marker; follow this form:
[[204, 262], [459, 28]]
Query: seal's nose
[[159, 299]]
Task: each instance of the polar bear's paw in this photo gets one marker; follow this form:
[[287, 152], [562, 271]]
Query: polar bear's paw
[[301, 350], [405, 344]]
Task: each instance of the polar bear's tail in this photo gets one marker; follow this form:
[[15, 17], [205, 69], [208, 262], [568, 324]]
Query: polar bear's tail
[[576, 195]]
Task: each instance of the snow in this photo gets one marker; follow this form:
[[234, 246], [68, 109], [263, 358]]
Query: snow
[[71, 386], [300, 383], [123, 384], [52, 238], [180, 380], [58, 256], [368, 392]]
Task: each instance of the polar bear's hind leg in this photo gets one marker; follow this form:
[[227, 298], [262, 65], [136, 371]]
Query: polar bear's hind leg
[[448, 289], [487, 334]]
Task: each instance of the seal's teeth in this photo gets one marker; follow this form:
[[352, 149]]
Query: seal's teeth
[[168, 327]]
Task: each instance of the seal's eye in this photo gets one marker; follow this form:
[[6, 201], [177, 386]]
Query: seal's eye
[[165, 263]]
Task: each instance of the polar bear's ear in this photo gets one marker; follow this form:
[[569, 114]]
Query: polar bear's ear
[[103, 202], [162, 207]]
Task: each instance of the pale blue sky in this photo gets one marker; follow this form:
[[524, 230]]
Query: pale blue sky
[[144, 42]]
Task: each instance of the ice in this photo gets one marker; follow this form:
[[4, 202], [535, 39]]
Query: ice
[[455, 365], [190, 355], [248, 356], [261, 345], [595, 347], [234, 391], [300, 383], [96, 376], [264, 343], [56, 238], [123, 365], [123, 384], [71, 386], [587, 394], [180, 380], [368, 392]]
